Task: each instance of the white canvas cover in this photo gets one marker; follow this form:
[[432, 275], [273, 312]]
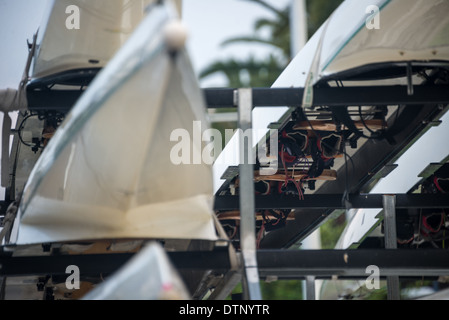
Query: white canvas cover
[[107, 172], [66, 42], [149, 275], [403, 31]]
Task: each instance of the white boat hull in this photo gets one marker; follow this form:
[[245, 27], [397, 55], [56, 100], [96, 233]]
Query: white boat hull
[[86, 38], [107, 172]]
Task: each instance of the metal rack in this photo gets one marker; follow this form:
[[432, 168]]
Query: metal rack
[[257, 264], [311, 263]]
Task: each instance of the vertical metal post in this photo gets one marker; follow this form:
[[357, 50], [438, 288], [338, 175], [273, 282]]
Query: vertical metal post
[[389, 203], [2, 287], [310, 288], [298, 26], [247, 203], [409, 79]]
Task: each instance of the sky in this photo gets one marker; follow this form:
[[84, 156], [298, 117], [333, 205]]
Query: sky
[[19, 20]]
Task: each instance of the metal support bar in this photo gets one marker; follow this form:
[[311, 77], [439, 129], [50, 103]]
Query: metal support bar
[[310, 288], [389, 202], [61, 100], [294, 264], [42, 265], [333, 201], [409, 79], [2, 288], [224, 97], [247, 221], [282, 263], [333, 96], [389, 205]]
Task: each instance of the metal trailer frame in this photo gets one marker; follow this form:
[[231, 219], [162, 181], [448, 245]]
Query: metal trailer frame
[[281, 264], [342, 96], [284, 264]]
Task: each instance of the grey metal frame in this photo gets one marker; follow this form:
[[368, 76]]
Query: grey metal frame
[[247, 223], [389, 202], [285, 264]]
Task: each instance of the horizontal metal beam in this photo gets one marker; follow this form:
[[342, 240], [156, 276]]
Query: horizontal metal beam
[[353, 263], [224, 97], [281, 263], [334, 201], [333, 96], [63, 100], [91, 264], [380, 95], [60, 100], [41, 265]]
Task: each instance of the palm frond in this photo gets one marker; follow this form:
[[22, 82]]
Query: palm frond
[[264, 22], [247, 39], [261, 72], [269, 7]]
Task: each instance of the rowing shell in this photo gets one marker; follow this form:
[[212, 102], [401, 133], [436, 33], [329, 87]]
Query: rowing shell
[[107, 172]]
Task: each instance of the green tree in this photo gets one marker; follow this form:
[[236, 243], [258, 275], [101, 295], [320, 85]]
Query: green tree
[[318, 11], [248, 73], [262, 73], [251, 72], [278, 30]]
